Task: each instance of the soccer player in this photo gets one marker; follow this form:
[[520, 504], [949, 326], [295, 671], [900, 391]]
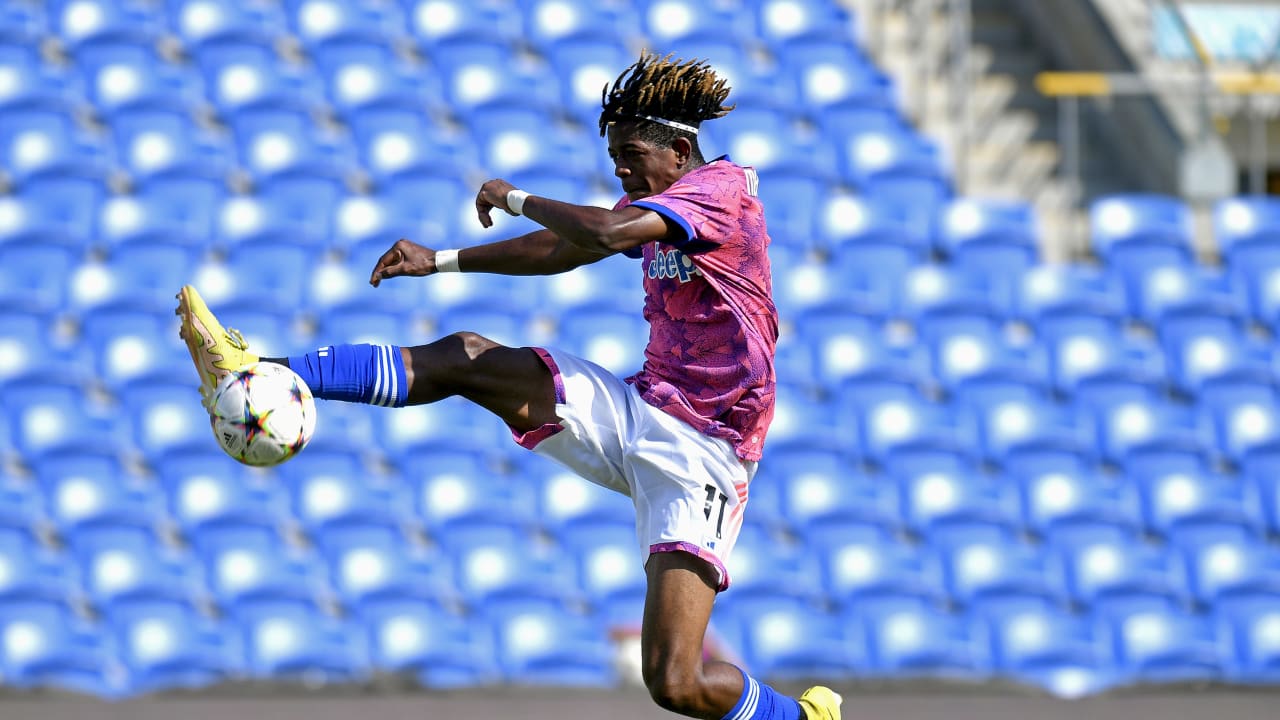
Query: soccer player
[[681, 437]]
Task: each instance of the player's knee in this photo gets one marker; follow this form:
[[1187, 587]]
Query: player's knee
[[673, 690], [472, 345]]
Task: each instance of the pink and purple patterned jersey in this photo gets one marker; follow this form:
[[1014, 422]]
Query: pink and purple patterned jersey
[[709, 303]]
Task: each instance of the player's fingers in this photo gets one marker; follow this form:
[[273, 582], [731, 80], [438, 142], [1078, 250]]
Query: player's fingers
[[482, 210], [387, 266]]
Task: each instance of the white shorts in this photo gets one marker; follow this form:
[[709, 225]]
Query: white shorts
[[689, 489]]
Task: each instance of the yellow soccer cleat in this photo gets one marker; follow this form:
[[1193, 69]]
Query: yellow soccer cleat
[[215, 350], [820, 703]]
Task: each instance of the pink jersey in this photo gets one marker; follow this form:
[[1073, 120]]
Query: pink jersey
[[709, 303]]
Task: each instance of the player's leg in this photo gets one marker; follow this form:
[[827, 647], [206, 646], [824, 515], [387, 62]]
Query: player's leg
[[513, 383], [681, 592]]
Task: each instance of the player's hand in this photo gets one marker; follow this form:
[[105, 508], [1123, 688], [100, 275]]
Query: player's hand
[[493, 194], [404, 258]]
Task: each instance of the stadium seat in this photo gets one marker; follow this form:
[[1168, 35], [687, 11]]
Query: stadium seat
[[821, 485], [451, 494], [277, 143], [60, 210], [484, 71], [930, 290], [371, 566], [202, 22], [157, 145], [608, 566], [122, 77], [1084, 357], [120, 569], [1247, 231], [1047, 291], [295, 640], [1138, 424], [433, 22], [1182, 291], [1108, 572], [1262, 489], [868, 571], [331, 488], [170, 646], [126, 343], [762, 568], [993, 241], [846, 344], [1229, 572], [612, 282], [319, 23], [832, 74], [674, 23], [87, 490], [205, 489], [613, 339], [563, 499], [495, 564], [443, 649], [360, 75], [871, 245], [552, 24], [790, 198], [45, 645], [1254, 639], [796, 21], [789, 638], [21, 23], [539, 643], [902, 424], [1055, 500], [30, 83], [940, 503], [47, 416], [987, 573], [36, 144], [165, 416], [242, 566], [28, 571], [1155, 647], [1243, 425], [1134, 232], [1030, 641], [766, 139], [583, 64], [967, 347], [1173, 501], [80, 22], [911, 640], [245, 76], [30, 294]]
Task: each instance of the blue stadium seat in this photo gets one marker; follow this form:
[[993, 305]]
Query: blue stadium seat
[[165, 416], [81, 22], [242, 566], [967, 347], [846, 344], [1029, 643], [19, 499], [902, 424], [24, 345], [1093, 354], [29, 571], [433, 22], [122, 568], [171, 646], [157, 145], [45, 645], [25, 292], [1111, 571], [359, 75], [370, 566], [1254, 640], [1048, 291], [939, 290], [206, 489], [60, 210], [994, 241], [1011, 424], [762, 568], [1055, 500], [674, 23], [790, 198], [1173, 501], [1134, 232], [613, 339], [440, 647], [766, 139], [280, 143], [1247, 231], [479, 72], [122, 77], [29, 83], [330, 488], [868, 571], [823, 485], [584, 64], [1176, 291], [1263, 489], [321, 22], [494, 563], [296, 640], [832, 73], [540, 643], [789, 638], [38, 144], [1134, 425], [245, 76], [551, 24], [612, 282], [797, 21], [1229, 572], [1243, 425], [453, 494], [370, 321], [752, 85], [515, 139], [47, 417], [1154, 646], [563, 499], [988, 573], [125, 343], [274, 273], [444, 431], [804, 281], [913, 640], [203, 22], [608, 566], [22, 22], [871, 245]]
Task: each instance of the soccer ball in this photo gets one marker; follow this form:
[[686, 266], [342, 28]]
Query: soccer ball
[[263, 414]]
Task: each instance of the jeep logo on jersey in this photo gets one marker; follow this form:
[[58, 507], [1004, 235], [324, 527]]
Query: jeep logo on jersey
[[672, 264]]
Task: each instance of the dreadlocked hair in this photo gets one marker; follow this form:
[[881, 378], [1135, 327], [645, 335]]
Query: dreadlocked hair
[[685, 91]]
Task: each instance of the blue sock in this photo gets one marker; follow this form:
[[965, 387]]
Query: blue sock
[[370, 374], [761, 702]]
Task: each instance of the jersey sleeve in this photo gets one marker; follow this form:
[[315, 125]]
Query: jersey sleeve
[[704, 210]]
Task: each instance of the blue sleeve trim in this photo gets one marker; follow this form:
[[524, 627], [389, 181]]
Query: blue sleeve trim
[[671, 215], [635, 253]]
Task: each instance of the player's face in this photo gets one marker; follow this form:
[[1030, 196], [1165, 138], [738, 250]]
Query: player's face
[[644, 168]]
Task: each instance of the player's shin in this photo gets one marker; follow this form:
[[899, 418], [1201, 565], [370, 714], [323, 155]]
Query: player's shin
[[369, 374]]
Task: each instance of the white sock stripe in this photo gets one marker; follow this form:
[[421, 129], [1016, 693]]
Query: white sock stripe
[[752, 692], [395, 377], [387, 377], [378, 374]]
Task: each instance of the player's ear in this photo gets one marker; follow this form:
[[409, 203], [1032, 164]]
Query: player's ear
[[683, 149]]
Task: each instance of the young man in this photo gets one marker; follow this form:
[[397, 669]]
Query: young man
[[681, 437]]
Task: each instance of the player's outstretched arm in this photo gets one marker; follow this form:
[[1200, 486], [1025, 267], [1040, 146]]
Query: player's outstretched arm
[[592, 229], [536, 253]]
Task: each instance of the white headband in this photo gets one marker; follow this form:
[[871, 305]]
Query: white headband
[[670, 123]]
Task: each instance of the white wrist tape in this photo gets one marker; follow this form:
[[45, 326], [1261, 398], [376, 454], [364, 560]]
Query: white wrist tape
[[447, 261], [515, 201]]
